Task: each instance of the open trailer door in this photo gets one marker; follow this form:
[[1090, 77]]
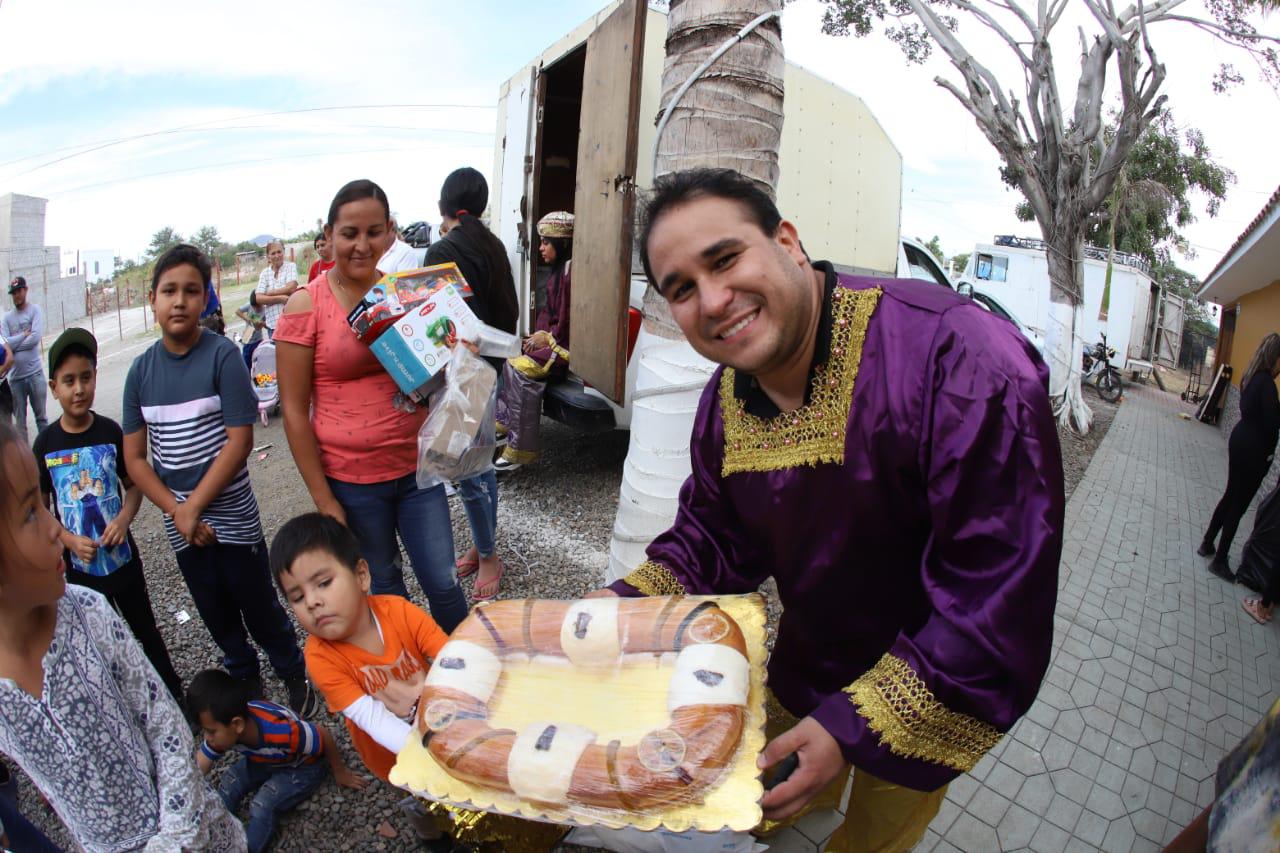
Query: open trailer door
[[604, 199]]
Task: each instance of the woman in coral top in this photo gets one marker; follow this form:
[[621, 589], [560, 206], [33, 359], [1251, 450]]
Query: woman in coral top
[[353, 436]]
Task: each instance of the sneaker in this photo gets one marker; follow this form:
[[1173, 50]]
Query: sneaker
[[1206, 549], [504, 464], [253, 687], [302, 697], [425, 825], [1222, 570]]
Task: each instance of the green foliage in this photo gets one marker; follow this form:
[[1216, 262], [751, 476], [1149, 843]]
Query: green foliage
[[163, 240], [860, 17], [961, 261], [935, 248], [1150, 224], [207, 240]]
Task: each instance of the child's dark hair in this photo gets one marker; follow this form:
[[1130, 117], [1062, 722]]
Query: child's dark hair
[[183, 253], [8, 435], [312, 531], [357, 191], [224, 697], [70, 350]]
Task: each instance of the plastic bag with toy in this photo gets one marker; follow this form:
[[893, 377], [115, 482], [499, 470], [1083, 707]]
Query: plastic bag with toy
[[457, 439]]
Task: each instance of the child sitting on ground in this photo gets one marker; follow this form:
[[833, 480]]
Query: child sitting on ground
[[81, 709], [100, 554], [281, 752]]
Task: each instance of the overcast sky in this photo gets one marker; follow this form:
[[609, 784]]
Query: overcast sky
[[130, 117]]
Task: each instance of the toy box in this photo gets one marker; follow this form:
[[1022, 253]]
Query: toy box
[[398, 293], [414, 346]]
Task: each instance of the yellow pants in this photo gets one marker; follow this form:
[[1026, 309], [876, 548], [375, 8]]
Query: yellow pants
[[881, 817]]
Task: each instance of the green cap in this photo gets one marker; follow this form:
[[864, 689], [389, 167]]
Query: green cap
[[72, 336]]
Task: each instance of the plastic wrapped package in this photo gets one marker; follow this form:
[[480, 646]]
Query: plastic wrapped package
[[456, 441], [610, 712]]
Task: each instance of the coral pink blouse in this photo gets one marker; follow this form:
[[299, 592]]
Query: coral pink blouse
[[362, 437]]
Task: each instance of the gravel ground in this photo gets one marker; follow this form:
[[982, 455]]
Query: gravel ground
[[555, 521]]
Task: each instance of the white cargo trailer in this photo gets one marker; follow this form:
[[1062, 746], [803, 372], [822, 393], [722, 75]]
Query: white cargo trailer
[[1142, 322], [575, 132]]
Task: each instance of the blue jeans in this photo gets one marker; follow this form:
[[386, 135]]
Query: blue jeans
[[375, 511], [30, 389], [480, 500], [278, 790]]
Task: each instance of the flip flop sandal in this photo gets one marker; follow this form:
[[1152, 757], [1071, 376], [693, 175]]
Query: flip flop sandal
[[1253, 606], [495, 583], [467, 568]]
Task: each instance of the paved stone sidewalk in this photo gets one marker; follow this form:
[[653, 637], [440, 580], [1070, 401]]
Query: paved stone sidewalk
[[1156, 672]]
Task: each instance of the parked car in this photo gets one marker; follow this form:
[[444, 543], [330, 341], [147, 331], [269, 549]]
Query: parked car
[[989, 302]]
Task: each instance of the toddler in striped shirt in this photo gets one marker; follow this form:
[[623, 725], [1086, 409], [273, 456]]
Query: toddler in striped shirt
[[281, 764]]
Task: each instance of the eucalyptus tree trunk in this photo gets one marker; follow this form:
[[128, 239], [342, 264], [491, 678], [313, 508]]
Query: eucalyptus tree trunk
[[730, 118]]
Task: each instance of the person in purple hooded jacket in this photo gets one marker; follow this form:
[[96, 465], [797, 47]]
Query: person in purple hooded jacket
[[884, 449]]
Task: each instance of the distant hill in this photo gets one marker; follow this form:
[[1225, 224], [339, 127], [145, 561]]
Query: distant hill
[[262, 240]]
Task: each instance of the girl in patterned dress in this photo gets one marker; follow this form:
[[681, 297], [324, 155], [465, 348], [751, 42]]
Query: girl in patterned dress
[[81, 709]]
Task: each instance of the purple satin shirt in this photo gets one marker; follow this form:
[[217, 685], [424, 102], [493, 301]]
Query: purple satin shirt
[[935, 540]]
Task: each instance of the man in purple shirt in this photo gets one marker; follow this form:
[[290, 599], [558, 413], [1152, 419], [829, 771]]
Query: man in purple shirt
[[886, 451]]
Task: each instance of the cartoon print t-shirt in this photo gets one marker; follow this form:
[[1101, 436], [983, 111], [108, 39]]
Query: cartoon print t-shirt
[[81, 473]]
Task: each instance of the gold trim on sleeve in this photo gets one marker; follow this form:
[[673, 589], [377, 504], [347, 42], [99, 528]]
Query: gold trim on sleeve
[[815, 432], [652, 578], [913, 723]]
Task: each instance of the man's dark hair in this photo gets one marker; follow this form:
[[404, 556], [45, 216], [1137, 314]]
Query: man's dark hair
[[183, 253], [66, 353], [356, 191], [312, 531], [224, 697], [679, 187]]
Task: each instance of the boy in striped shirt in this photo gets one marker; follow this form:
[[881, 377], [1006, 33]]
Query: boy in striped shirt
[[189, 401], [281, 765]]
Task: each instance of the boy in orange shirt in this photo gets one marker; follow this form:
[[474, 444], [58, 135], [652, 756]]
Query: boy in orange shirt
[[367, 654]]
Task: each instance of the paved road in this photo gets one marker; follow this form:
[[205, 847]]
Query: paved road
[[120, 339]]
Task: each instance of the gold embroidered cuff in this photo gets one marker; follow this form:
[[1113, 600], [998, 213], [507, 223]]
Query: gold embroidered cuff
[[912, 723], [652, 578]]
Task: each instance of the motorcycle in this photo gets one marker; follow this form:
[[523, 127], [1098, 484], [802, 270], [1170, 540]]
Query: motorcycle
[[1098, 368]]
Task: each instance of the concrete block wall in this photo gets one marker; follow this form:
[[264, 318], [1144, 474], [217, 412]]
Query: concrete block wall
[[21, 221]]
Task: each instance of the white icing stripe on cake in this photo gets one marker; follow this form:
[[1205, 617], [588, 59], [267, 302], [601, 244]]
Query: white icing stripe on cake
[[708, 674], [589, 633], [467, 667], [540, 765]]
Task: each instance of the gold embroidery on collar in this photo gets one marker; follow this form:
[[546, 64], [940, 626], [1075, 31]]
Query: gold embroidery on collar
[[652, 578], [913, 723], [814, 433]]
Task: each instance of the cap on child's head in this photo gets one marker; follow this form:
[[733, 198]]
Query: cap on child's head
[[73, 341], [312, 531], [224, 697]]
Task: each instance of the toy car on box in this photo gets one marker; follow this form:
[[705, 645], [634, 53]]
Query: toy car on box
[[415, 346], [398, 293]]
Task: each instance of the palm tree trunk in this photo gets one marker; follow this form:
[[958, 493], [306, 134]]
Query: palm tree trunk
[[731, 118]]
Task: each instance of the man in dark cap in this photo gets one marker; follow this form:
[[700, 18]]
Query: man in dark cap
[[21, 329]]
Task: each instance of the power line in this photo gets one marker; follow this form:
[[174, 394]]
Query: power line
[[205, 125], [230, 163]]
